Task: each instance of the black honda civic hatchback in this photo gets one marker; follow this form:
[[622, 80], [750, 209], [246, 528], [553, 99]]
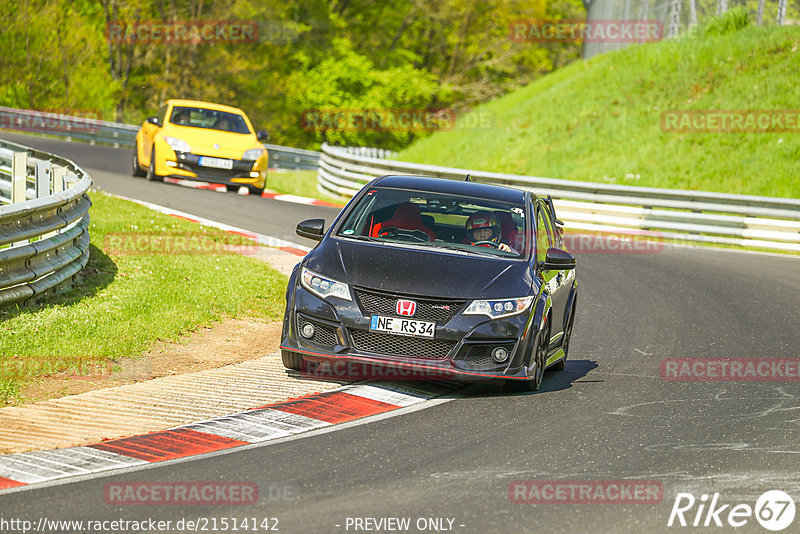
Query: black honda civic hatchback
[[433, 278]]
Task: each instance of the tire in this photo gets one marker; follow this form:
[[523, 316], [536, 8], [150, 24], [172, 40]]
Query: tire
[[292, 360], [255, 190], [136, 170], [534, 383], [567, 337], [151, 170]]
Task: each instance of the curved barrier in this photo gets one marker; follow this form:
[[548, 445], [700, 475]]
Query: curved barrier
[[673, 214], [44, 221]]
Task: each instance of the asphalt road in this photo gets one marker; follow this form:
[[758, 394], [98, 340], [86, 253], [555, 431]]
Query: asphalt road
[[609, 416]]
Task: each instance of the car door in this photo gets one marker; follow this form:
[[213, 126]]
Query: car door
[[149, 131]]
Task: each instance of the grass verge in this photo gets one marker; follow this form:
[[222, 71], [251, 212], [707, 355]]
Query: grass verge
[[128, 298], [601, 120]]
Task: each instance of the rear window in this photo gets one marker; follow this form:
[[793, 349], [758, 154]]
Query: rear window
[[209, 118], [449, 222]]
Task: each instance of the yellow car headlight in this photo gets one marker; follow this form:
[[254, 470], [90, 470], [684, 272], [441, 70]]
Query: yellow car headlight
[[252, 154], [178, 145]]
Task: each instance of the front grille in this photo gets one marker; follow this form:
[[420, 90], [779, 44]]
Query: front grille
[[481, 355], [439, 310], [429, 349], [190, 162], [216, 174], [323, 334]]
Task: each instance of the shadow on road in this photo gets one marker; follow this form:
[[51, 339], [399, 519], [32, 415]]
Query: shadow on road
[[574, 371]]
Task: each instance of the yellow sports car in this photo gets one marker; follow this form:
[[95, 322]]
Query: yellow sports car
[[195, 140]]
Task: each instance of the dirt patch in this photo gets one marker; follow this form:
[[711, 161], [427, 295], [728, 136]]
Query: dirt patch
[[231, 341]]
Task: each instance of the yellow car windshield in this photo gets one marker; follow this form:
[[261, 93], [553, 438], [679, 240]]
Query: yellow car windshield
[[211, 119]]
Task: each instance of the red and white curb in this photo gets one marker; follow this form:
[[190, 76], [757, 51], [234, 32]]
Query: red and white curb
[[300, 200], [262, 424], [274, 242], [220, 188]]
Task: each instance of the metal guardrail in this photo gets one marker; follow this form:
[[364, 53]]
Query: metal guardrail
[[284, 157], [670, 214], [44, 221], [68, 126], [124, 135]]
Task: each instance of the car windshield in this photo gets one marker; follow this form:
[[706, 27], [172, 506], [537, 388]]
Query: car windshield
[[455, 223], [211, 119]]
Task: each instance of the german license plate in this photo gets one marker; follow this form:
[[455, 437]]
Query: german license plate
[[217, 163], [402, 327]]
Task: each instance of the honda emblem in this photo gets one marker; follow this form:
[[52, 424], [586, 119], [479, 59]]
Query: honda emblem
[[406, 307]]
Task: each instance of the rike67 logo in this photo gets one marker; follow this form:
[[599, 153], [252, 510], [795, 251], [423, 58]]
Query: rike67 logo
[[774, 510]]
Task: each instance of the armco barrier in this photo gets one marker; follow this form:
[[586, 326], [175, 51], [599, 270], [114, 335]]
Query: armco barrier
[[682, 216], [124, 135], [44, 221]]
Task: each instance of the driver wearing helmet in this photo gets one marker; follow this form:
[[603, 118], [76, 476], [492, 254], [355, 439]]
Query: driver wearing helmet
[[483, 229]]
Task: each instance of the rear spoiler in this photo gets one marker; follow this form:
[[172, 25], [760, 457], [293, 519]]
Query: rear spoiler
[[553, 210]]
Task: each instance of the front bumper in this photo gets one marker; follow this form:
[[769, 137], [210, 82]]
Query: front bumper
[[186, 165], [344, 347]]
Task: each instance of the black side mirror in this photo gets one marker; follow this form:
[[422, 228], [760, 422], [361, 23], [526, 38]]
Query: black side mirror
[[557, 260], [262, 135], [153, 120], [312, 229]]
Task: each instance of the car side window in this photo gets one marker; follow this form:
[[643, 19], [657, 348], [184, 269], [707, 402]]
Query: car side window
[[548, 222], [556, 231], [162, 115], [544, 238]]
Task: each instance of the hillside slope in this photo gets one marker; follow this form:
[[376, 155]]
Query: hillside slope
[[600, 120]]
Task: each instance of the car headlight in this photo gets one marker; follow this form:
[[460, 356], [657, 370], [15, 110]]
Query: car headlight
[[498, 308], [322, 286], [252, 154], [178, 145]]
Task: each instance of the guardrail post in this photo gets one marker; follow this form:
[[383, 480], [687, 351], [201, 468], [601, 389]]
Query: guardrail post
[[70, 179], [43, 185], [19, 176], [57, 174]]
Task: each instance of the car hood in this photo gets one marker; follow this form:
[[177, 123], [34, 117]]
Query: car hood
[[202, 141], [420, 272]]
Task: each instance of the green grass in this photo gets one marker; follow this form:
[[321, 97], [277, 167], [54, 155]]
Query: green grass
[[301, 183], [599, 120], [127, 302]]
